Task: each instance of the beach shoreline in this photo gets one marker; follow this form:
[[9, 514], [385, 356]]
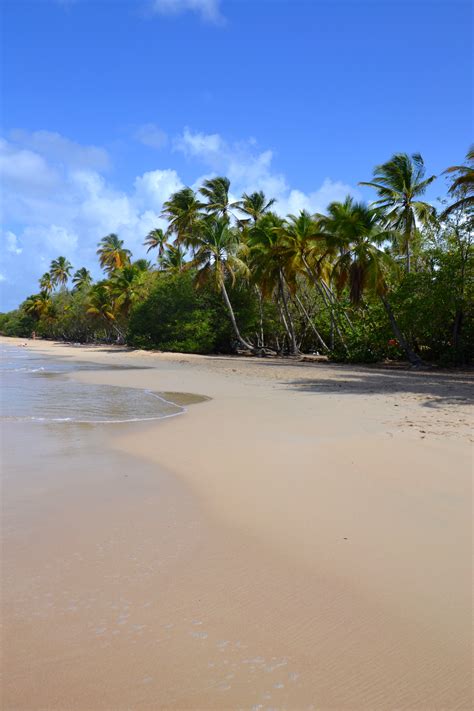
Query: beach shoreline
[[334, 508]]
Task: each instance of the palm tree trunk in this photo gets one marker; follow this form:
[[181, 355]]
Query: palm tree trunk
[[313, 327], [333, 300], [284, 322], [408, 255], [326, 302], [260, 308], [241, 340], [412, 357], [291, 327], [408, 230]]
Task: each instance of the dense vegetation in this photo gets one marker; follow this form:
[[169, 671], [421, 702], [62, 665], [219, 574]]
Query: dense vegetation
[[392, 279]]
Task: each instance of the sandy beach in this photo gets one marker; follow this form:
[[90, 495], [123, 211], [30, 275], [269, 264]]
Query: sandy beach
[[300, 540]]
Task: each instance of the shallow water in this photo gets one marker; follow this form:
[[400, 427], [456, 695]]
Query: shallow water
[[36, 388]]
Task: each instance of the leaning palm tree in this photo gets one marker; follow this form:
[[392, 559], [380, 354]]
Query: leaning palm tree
[[46, 283], [82, 279], [216, 260], [112, 254], [255, 206], [306, 249], [399, 183], [216, 192], [363, 266], [60, 269], [183, 212], [463, 184], [156, 239]]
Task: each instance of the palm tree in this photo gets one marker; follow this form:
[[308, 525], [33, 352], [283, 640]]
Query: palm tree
[[268, 264], [255, 206], [399, 183], [101, 302], [46, 283], [112, 254], [216, 192], [38, 305], [362, 265], [156, 239], [463, 184], [307, 249], [142, 265], [173, 259], [60, 270], [216, 259], [82, 279], [101, 305], [127, 287], [183, 211]]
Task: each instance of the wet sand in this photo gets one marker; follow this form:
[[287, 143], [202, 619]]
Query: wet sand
[[301, 540]]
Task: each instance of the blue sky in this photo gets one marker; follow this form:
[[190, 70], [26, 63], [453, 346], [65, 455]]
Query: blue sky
[[110, 105]]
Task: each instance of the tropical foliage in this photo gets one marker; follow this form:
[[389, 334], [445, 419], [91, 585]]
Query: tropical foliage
[[360, 282]]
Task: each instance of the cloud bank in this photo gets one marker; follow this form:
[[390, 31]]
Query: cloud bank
[[60, 200]]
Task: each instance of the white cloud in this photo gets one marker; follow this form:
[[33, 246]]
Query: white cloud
[[61, 150], [154, 187], [209, 10], [53, 239], [151, 135], [25, 169], [316, 201], [11, 243], [207, 146]]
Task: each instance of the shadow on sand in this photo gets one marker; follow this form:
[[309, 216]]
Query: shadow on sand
[[439, 388]]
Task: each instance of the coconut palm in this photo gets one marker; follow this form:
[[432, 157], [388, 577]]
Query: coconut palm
[[38, 305], [362, 265], [101, 302], [82, 279], [112, 254], [399, 183], [305, 243], [216, 260], [60, 269], [183, 212], [156, 239], [142, 265], [101, 305], [46, 283], [216, 192], [264, 256], [463, 184], [255, 206], [306, 249], [269, 268], [173, 259], [126, 287]]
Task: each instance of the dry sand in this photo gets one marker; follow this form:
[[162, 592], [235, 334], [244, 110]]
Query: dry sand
[[301, 540]]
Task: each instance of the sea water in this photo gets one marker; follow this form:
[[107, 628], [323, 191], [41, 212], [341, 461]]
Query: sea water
[[38, 388]]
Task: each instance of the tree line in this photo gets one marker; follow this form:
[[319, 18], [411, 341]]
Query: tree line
[[361, 282]]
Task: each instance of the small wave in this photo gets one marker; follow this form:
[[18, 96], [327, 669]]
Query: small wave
[[73, 420], [23, 370]]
